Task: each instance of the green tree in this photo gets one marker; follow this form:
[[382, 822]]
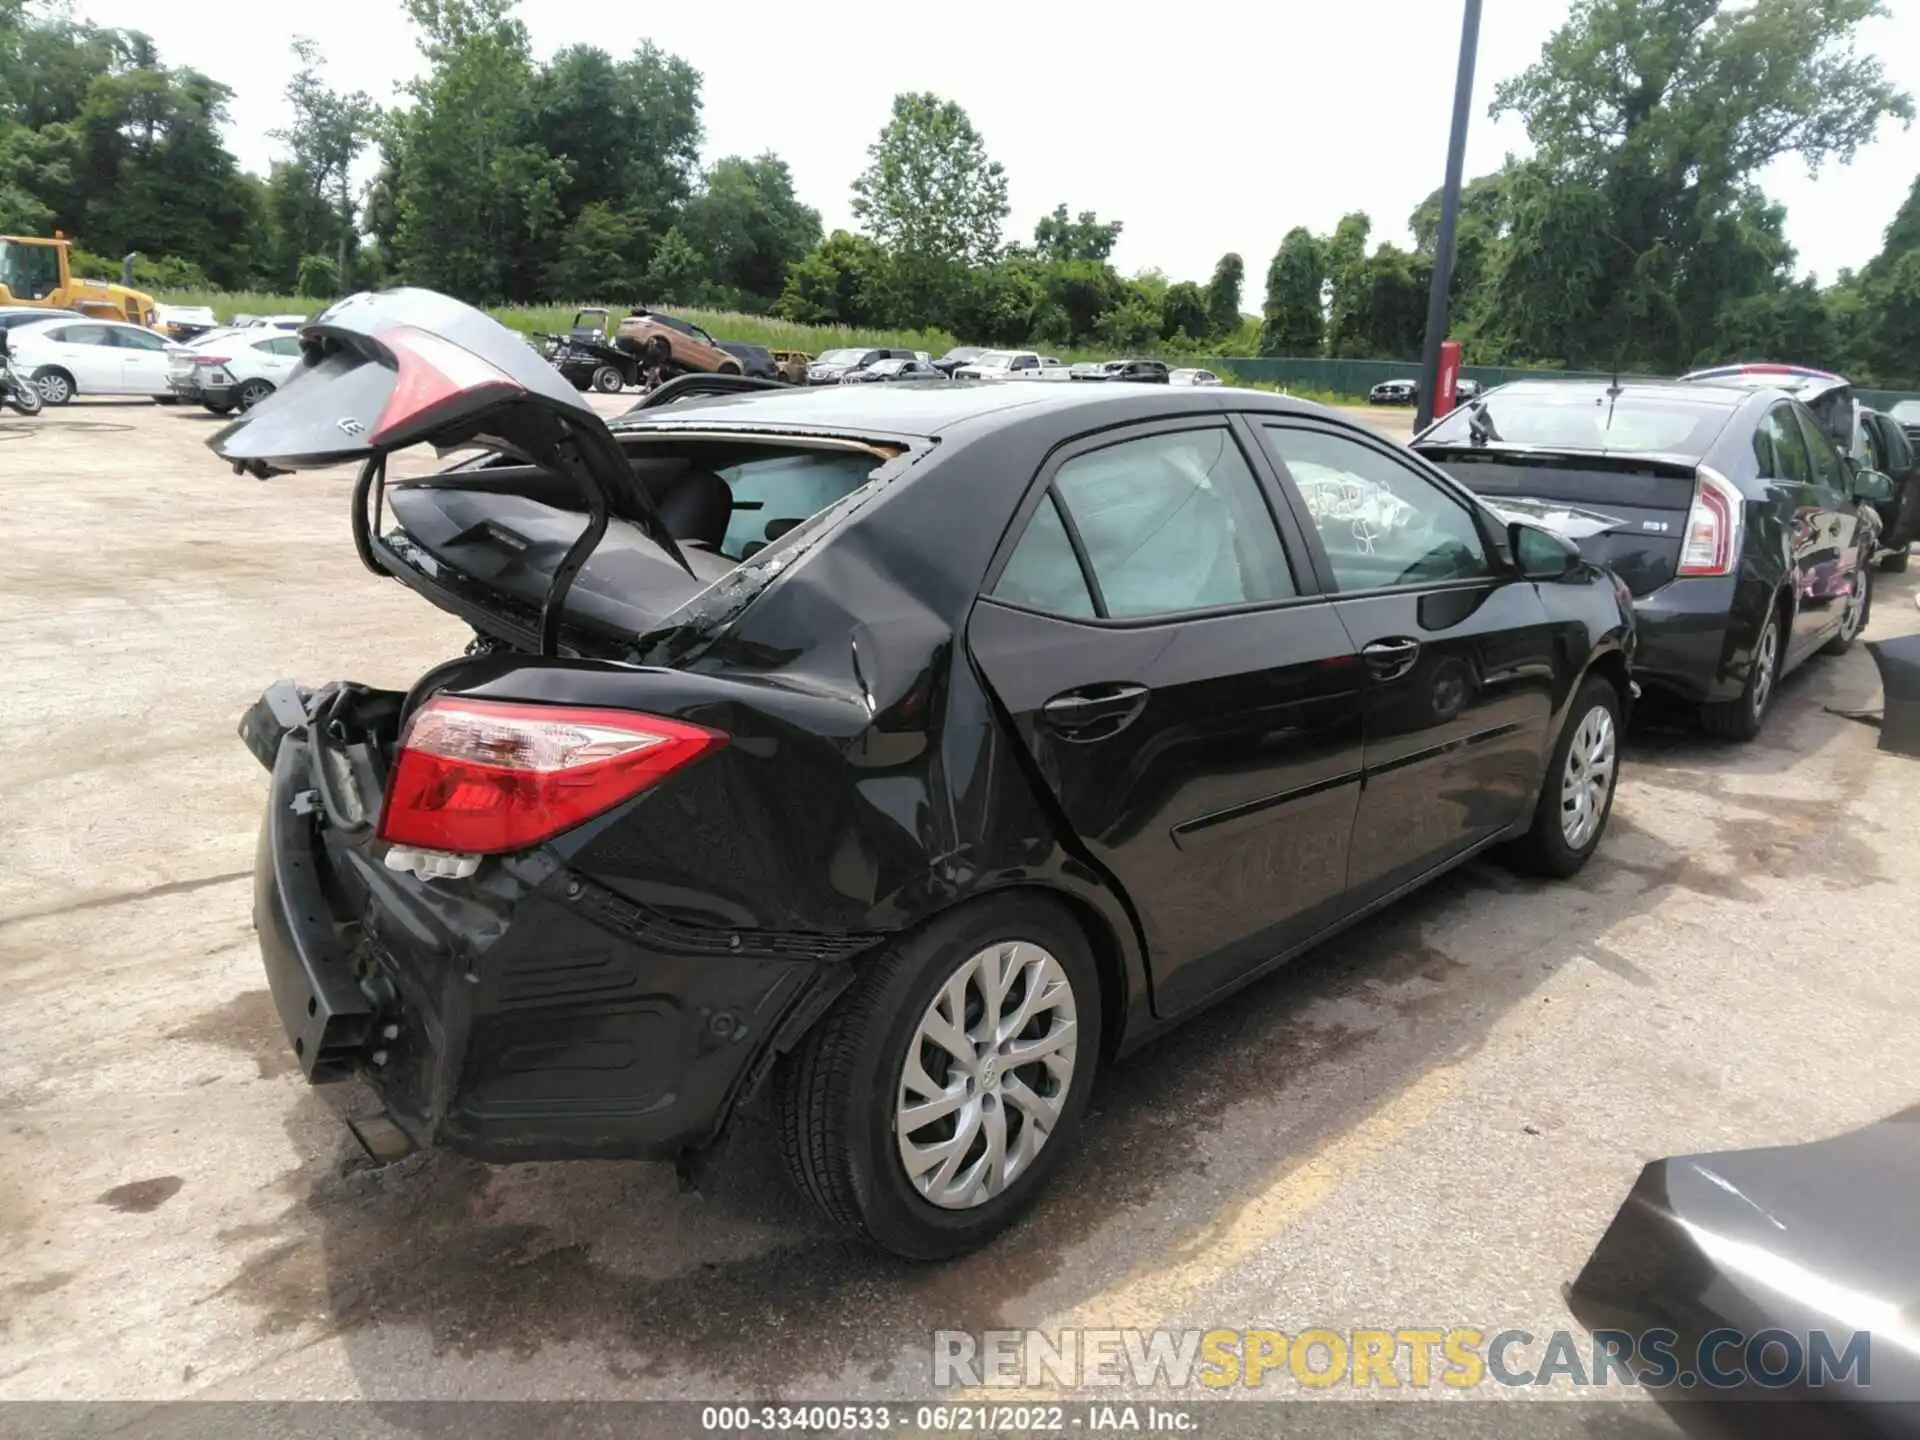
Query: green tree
[[1650, 120], [1223, 294], [479, 199], [844, 280], [1292, 320], [677, 274], [1056, 237], [1183, 311], [995, 303], [328, 133], [298, 221], [929, 188], [628, 130], [1347, 296], [749, 225], [599, 258], [1131, 325]]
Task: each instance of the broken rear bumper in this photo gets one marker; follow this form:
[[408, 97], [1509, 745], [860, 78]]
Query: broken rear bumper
[[523, 1014]]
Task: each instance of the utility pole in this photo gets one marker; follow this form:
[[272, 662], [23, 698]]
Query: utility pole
[[1449, 216]]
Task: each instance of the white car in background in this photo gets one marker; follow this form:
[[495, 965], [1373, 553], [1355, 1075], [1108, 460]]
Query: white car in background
[[1012, 365], [234, 369], [1192, 377], [65, 358]]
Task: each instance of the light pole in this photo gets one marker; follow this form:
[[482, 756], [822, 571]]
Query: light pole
[[1449, 217]]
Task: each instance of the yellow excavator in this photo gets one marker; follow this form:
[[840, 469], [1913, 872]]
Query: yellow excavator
[[36, 271]]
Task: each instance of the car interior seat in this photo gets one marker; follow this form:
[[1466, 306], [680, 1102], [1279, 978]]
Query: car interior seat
[[695, 506]]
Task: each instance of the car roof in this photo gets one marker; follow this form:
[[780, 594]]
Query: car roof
[[928, 411]]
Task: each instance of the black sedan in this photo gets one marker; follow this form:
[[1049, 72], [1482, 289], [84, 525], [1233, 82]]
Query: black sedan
[[911, 750], [1744, 534]]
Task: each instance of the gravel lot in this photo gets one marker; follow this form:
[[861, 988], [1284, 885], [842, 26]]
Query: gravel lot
[[1427, 1123]]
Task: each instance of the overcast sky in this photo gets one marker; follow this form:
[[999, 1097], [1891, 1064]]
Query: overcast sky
[[1206, 126]]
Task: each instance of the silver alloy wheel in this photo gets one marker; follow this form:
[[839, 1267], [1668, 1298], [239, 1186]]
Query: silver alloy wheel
[[1588, 779], [252, 393], [1766, 655], [54, 388], [986, 1074], [1856, 610]]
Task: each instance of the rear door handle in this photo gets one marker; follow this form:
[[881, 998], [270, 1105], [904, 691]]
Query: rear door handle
[[1094, 712], [1390, 659]]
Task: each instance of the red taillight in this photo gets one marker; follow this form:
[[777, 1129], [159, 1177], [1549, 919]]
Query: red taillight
[[211, 359], [1711, 545], [480, 777], [433, 370]]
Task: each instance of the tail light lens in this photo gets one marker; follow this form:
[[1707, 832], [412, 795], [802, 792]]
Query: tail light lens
[[432, 371], [1711, 545], [482, 777], [211, 359]]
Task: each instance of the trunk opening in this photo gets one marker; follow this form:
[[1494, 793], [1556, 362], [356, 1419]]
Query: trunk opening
[[519, 550]]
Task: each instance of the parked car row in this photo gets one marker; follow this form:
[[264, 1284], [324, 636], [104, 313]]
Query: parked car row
[[65, 354]]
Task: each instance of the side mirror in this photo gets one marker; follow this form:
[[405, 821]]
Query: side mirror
[[1872, 487], [1540, 554]]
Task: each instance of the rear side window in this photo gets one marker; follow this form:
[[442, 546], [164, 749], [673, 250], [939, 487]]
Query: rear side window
[[1168, 523], [1778, 446], [81, 335], [1826, 460], [773, 495], [281, 345], [1043, 573]]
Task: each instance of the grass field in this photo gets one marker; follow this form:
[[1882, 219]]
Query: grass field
[[722, 324]]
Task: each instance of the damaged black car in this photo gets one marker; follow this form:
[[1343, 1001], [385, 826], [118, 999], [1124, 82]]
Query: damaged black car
[[904, 752]]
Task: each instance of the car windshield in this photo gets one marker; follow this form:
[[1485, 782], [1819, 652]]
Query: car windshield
[[1580, 418], [961, 352], [1907, 412], [840, 357], [889, 367], [996, 359]]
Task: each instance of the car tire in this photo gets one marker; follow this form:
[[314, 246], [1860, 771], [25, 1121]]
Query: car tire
[[1576, 797], [212, 409], [1854, 621], [1741, 718], [166, 399], [1894, 563], [608, 380], [727, 370], [251, 394], [842, 1096], [55, 385]]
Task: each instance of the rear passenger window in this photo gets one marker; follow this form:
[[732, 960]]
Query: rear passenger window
[[1780, 450], [1043, 573], [1172, 523], [1826, 459]]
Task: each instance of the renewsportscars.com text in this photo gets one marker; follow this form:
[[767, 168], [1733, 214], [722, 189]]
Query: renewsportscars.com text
[[1413, 1358]]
